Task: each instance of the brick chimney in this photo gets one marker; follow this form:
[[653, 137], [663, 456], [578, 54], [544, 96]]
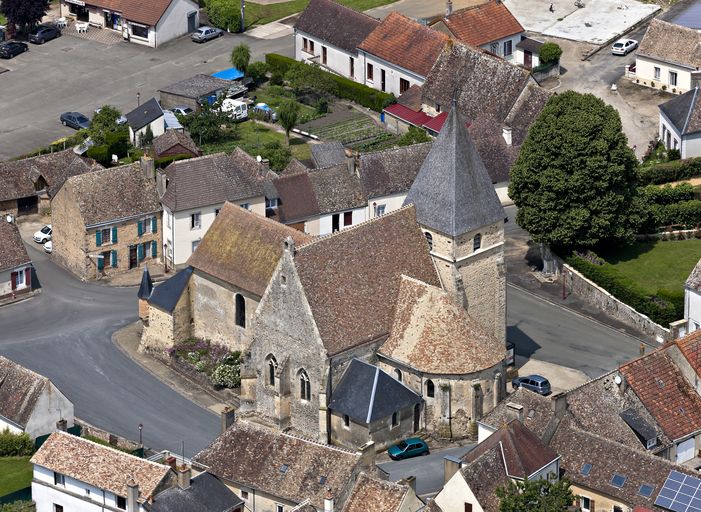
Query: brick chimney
[[148, 167], [328, 500], [184, 475], [367, 455], [172, 462], [62, 425], [132, 496], [515, 411], [228, 418]]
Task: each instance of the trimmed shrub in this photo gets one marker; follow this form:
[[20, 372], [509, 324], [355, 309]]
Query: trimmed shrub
[[226, 376], [15, 445], [549, 53], [675, 170], [668, 194]]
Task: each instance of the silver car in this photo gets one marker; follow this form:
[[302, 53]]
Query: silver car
[[203, 34]]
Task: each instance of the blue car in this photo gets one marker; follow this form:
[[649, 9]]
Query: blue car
[[411, 447]]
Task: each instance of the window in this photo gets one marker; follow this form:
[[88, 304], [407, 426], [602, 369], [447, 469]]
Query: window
[[438, 108], [477, 242], [240, 304], [195, 245], [429, 239], [19, 279], [618, 480], [468, 507], [657, 73], [196, 220], [494, 48], [383, 81], [245, 206], [283, 280], [585, 504], [106, 235], [87, 492], [272, 366], [371, 72], [346, 421], [646, 490], [121, 502], [58, 508], [323, 54], [398, 374], [395, 419], [279, 508], [311, 46], [305, 391], [676, 144], [380, 210], [244, 495], [305, 44], [672, 78], [347, 218], [507, 48], [59, 479], [616, 508], [352, 67], [335, 222], [271, 203], [430, 389], [403, 85], [586, 469], [138, 31]]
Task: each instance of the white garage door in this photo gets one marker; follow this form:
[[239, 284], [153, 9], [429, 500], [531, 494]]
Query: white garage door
[[685, 450]]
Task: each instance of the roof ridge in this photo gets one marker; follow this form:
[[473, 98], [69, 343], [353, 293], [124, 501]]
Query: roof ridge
[[395, 149], [317, 443], [691, 109], [29, 370], [372, 394], [351, 9], [198, 158]]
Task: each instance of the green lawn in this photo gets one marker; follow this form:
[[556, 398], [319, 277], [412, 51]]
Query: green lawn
[[16, 474], [654, 266], [257, 14]]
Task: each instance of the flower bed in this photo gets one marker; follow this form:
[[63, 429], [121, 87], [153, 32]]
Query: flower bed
[[207, 362]]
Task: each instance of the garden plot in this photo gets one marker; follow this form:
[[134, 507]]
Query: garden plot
[[357, 128]]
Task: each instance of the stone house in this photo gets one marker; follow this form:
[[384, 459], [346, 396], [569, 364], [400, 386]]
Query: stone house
[[15, 265], [145, 116], [367, 405], [30, 402], [165, 311], [193, 192], [175, 143], [679, 124], [106, 222]]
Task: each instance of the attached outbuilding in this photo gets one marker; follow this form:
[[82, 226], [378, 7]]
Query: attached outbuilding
[[194, 92]]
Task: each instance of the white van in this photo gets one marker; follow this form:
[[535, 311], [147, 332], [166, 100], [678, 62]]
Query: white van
[[237, 109]]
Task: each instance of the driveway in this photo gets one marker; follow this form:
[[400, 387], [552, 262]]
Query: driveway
[[76, 74]]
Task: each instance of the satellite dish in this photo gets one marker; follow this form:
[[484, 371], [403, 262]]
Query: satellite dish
[[259, 159], [617, 379], [9, 218]]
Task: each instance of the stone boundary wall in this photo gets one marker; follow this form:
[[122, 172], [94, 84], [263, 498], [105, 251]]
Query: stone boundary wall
[[108, 437]]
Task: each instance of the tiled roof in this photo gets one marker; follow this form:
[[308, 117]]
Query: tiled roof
[[111, 194], [391, 171], [485, 475], [530, 45], [693, 282], [144, 114], [279, 464], [148, 13], [411, 98], [537, 411], [167, 294], [671, 400], [206, 494], [294, 167], [684, 111], [336, 189], [373, 495], [404, 42], [20, 388], [690, 346], [212, 179], [12, 250], [172, 138], [435, 335], [373, 256], [101, 466], [367, 394], [415, 117], [482, 24], [328, 154], [197, 86], [671, 43], [297, 197], [336, 24], [243, 248]]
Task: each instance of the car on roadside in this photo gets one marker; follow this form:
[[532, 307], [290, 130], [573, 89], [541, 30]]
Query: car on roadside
[[411, 447], [266, 110], [75, 120], [182, 110], [11, 49], [535, 383], [43, 235], [204, 34], [48, 247], [624, 46], [43, 33]]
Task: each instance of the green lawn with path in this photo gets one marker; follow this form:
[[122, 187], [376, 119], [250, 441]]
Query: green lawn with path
[[15, 474], [258, 14]]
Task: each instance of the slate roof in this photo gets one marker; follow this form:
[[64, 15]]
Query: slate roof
[[99, 465], [167, 294], [528, 106], [112, 194], [12, 250], [373, 256], [197, 86], [243, 248], [336, 189], [373, 495], [671, 43], [684, 111], [297, 197], [277, 463], [212, 179], [405, 43], [328, 154], [206, 494], [482, 24], [530, 45], [367, 394], [172, 138], [453, 193], [433, 334], [20, 388], [336, 24], [391, 171], [498, 157], [146, 285], [693, 282], [144, 114], [671, 400]]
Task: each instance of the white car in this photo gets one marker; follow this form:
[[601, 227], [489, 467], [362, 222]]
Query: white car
[[624, 46], [182, 110], [43, 235], [48, 247]]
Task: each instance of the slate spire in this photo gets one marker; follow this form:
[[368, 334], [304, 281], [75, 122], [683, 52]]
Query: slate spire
[[452, 192], [146, 286]]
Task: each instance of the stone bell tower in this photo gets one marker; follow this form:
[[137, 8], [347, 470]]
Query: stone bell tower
[[463, 221]]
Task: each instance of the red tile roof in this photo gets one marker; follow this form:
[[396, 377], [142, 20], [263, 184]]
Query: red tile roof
[[690, 346], [483, 24], [149, 13], [405, 43], [436, 123], [406, 114], [671, 400]]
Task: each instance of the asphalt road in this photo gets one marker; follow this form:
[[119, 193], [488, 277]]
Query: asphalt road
[[65, 334]]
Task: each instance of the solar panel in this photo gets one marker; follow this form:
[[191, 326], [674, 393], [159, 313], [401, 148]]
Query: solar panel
[[680, 493], [618, 480], [586, 469], [646, 490]]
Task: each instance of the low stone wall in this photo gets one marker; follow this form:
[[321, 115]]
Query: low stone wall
[[108, 437], [680, 234], [541, 74]]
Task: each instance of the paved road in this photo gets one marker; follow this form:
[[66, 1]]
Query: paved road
[[65, 334]]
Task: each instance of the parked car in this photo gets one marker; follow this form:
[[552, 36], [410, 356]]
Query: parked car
[[120, 120], [624, 46], [44, 33], [237, 110], [10, 49], [182, 110], [266, 110], [75, 120], [43, 235], [203, 34], [411, 447], [536, 383], [48, 247]]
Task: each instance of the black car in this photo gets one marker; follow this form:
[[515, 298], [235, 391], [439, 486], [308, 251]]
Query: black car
[[75, 120], [12, 48], [44, 33]]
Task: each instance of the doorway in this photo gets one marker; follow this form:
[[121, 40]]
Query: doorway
[[527, 59], [192, 21], [382, 80], [417, 417], [133, 259]]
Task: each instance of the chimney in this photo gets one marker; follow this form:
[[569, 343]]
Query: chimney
[[449, 8], [328, 500], [228, 418], [514, 411], [172, 462], [367, 455], [147, 167], [184, 474], [621, 382], [161, 182], [506, 133], [264, 166], [132, 496], [62, 425], [559, 404], [451, 465]]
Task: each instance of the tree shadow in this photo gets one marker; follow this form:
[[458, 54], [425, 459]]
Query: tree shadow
[[614, 254]]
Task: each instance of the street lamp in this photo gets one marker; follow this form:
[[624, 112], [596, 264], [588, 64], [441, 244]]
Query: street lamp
[[243, 16], [138, 99], [141, 427]]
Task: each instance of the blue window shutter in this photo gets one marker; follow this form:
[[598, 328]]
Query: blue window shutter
[[114, 235], [114, 257], [154, 225], [140, 228], [140, 251], [98, 238], [100, 263], [154, 248]]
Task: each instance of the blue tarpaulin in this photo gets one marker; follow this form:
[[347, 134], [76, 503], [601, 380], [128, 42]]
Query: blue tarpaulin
[[228, 74]]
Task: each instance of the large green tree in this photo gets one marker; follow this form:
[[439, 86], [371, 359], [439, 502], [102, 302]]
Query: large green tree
[[574, 182], [240, 57], [535, 496], [23, 13], [224, 14], [105, 122], [206, 124]]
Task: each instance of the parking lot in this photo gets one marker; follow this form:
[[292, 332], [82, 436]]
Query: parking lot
[[69, 73]]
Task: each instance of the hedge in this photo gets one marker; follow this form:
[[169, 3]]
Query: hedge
[[664, 308], [15, 445], [676, 170], [346, 88]]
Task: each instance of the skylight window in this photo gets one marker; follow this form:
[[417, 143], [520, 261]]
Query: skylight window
[[284, 468], [618, 480], [586, 469], [322, 480], [646, 490]]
